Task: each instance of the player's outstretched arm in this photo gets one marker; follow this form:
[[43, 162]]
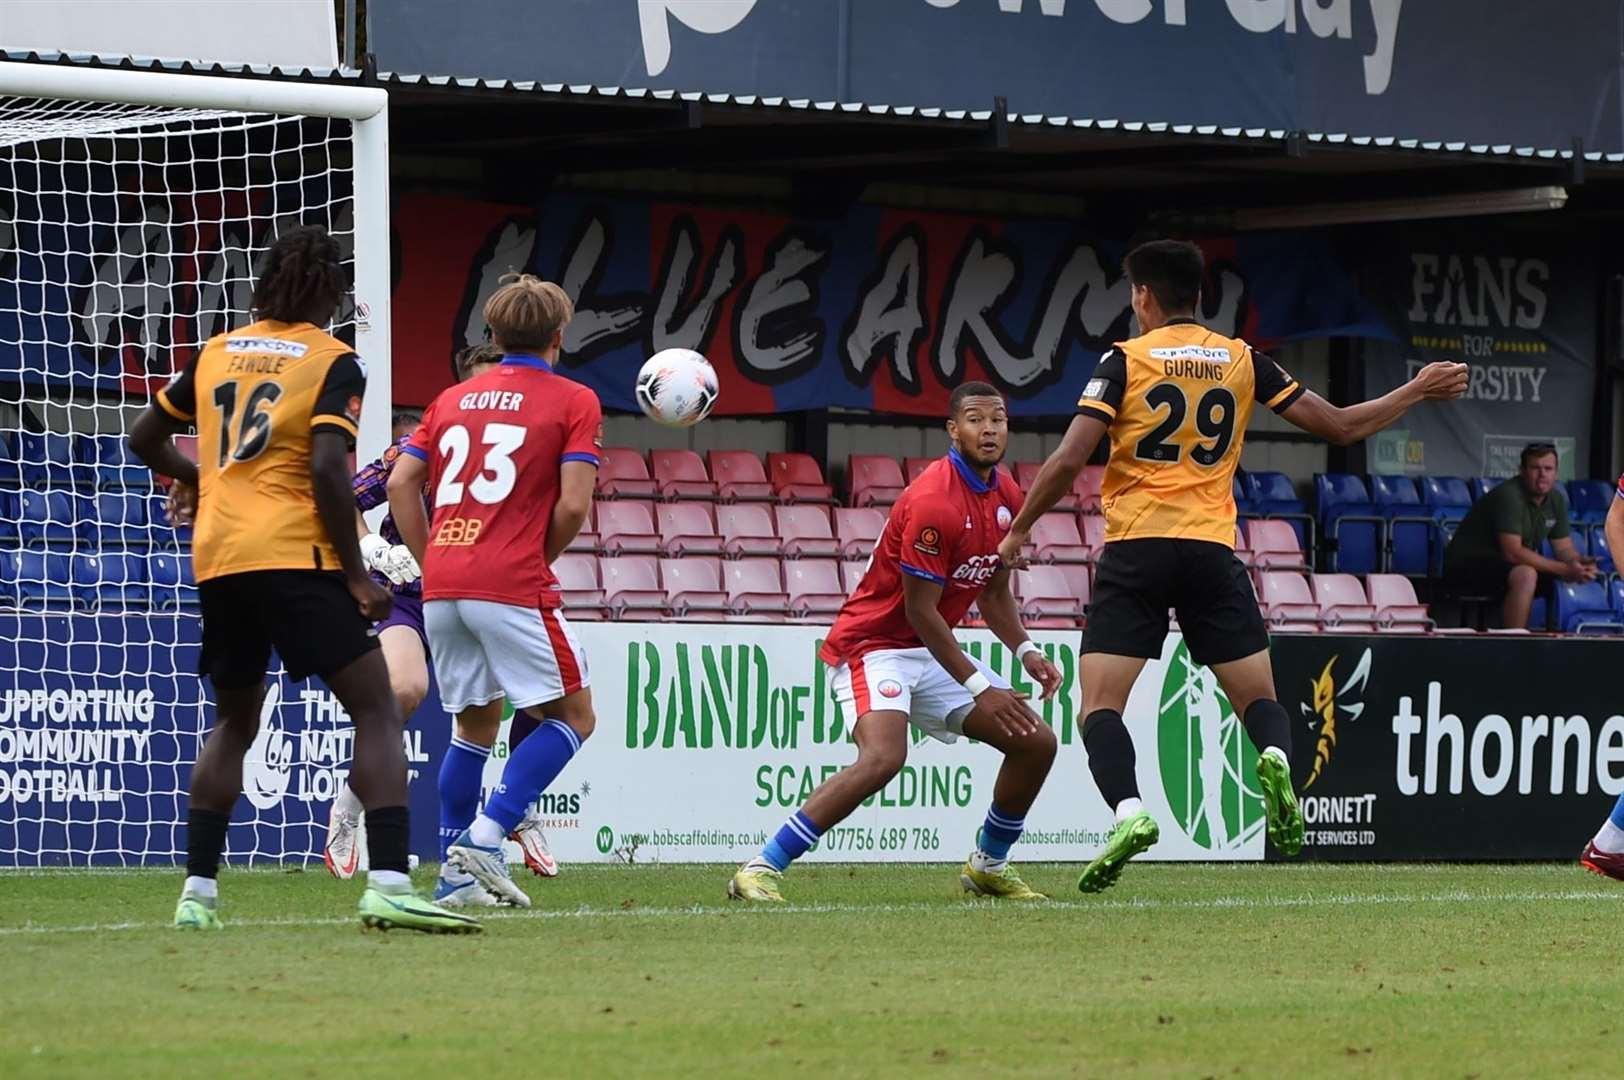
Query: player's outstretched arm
[[1003, 618], [920, 598], [576, 480], [1054, 481], [335, 505], [1443, 380], [406, 502]]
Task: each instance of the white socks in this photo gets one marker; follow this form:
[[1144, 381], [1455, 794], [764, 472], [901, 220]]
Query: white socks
[[1279, 754], [1610, 839], [486, 833], [980, 860], [206, 888], [388, 879], [1127, 808]]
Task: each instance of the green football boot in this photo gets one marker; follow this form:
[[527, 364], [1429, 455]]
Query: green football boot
[[1004, 885], [196, 913], [1280, 804], [399, 908], [1129, 838], [756, 883]]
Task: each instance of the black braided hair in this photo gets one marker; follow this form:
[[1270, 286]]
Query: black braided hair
[[303, 277]]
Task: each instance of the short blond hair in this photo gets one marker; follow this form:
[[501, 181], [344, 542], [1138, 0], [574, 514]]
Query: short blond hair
[[527, 312]]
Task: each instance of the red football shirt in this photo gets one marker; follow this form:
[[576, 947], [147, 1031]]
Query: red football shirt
[[494, 445], [946, 528]]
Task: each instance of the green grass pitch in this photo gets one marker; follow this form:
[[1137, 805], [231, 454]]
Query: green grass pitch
[[884, 971]]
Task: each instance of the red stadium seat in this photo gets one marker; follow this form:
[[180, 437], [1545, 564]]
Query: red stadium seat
[[805, 531], [681, 474], [1275, 546], [1045, 592], [747, 529], [913, 466], [1057, 540], [1087, 488], [587, 538], [874, 479], [627, 528], [756, 586], [1393, 597], [693, 585], [739, 476], [813, 586], [797, 478], [578, 579], [851, 572], [1342, 602], [623, 474], [686, 528], [631, 584], [1286, 598], [858, 528], [1026, 472], [1092, 527]]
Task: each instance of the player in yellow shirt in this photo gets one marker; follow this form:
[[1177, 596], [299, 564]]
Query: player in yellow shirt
[[1175, 401], [278, 562]]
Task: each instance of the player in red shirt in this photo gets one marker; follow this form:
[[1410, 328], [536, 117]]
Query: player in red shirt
[[511, 457], [896, 661]]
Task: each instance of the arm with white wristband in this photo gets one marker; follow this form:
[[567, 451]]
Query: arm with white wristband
[[1003, 618]]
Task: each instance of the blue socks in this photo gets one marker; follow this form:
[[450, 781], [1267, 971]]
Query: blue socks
[[999, 832], [533, 766], [1617, 816], [461, 773], [794, 837]]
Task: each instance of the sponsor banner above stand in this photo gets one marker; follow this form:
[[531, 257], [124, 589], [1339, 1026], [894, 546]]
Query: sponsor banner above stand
[[1442, 748]]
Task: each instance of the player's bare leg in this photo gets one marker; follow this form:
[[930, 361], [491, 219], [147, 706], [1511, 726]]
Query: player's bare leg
[[1107, 681], [408, 665], [1249, 682], [882, 749], [216, 784], [568, 722], [1027, 759], [462, 774], [378, 775]]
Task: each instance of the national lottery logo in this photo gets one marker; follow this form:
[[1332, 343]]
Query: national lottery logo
[[1208, 765]]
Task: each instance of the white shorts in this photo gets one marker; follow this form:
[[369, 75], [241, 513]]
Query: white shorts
[[483, 650], [910, 681]]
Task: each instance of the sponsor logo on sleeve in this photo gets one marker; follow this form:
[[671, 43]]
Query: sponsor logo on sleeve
[[353, 408], [1095, 390], [930, 541]]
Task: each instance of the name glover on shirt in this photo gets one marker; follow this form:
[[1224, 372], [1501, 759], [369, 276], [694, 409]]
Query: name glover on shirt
[[497, 400]]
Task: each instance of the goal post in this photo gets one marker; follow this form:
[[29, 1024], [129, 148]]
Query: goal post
[[135, 210]]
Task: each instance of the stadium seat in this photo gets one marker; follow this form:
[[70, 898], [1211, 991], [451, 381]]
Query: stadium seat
[[1584, 607], [1393, 597], [1272, 495], [111, 582], [8, 579], [11, 467], [686, 528], [858, 529], [1026, 472], [1045, 592], [1482, 485], [1057, 540], [805, 531], [739, 476], [43, 580], [813, 587], [797, 478], [913, 466], [1342, 601], [873, 479], [173, 586], [119, 521], [587, 538], [10, 514], [164, 534], [747, 529], [1086, 488], [623, 474], [627, 528], [631, 586], [1351, 523], [1273, 545], [1615, 594], [680, 474], [112, 464], [577, 575], [47, 519], [48, 461], [1599, 549], [1414, 541], [756, 587], [1092, 526], [1588, 500], [1286, 599], [1243, 503], [693, 586], [1447, 497], [1243, 546]]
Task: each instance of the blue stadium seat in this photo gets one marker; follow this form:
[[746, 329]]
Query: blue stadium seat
[[1447, 497], [43, 580], [119, 521], [112, 464], [165, 535], [8, 579], [11, 469], [1587, 605], [110, 582], [1351, 522], [172, 583], [1243, 503], [1414, 541], [1588, 500], [1482, 485], [46, 518], [1272, 495], [9, 516], [48, 461], [1599, 548], [1615, 595]]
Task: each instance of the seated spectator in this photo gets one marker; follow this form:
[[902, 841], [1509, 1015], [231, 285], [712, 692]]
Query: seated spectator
[[1496, 549]]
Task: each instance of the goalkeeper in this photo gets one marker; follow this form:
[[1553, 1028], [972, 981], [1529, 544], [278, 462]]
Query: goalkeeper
[[405, 651]]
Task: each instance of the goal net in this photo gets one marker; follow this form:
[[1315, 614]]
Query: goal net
[[134, 211]]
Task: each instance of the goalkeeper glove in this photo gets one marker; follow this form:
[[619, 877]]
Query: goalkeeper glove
[[393, 561]]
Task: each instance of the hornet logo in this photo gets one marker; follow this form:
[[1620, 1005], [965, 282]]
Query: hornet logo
[[1328, 702]]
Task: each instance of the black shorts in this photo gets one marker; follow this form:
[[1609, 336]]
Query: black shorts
[[1138, 581], [308, 616], [1485, 577]]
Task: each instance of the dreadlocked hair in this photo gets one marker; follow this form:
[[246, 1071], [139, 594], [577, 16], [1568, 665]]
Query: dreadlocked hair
[[302, 277]]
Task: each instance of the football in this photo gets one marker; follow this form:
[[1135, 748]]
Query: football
[[677, 388]]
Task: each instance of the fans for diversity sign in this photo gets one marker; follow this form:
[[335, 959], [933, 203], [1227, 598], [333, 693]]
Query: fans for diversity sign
[[882, 309]]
